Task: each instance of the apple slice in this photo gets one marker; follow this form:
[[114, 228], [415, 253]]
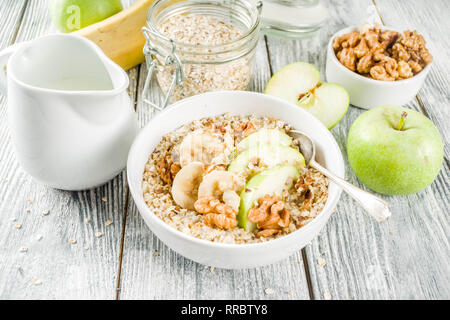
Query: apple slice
[[300, 83], [265, 136], [267, 155], [268, 182]]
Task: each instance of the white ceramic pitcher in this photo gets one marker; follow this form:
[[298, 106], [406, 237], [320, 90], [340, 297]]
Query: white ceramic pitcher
[[71, 119]]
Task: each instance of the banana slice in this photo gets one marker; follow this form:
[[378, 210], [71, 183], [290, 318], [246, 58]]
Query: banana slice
[[215, 183], [232, 199], [185, 185], [201, 146]]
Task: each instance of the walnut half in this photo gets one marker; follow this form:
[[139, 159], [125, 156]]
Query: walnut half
[[270, 215], [216, 213]]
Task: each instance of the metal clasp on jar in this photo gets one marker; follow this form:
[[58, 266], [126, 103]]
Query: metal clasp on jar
[[171, 59]]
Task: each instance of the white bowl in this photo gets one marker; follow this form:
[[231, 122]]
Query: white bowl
[[221, 255], [366, 92]]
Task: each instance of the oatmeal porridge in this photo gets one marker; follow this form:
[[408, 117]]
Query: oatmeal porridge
[[233, 179]]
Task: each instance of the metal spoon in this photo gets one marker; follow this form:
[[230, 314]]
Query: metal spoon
[[376, 207]]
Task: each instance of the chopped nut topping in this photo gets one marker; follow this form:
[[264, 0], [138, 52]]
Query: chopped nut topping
[[98, 234], [247, 129], [168, 169], [36, 281], [45, 212], [108, 222]]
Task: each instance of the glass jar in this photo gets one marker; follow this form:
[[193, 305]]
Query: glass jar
[[183, 69]]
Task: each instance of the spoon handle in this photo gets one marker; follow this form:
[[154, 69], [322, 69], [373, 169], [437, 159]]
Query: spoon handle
[[375, 206]]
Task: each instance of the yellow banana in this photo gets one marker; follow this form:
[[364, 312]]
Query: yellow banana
[[120, 36]]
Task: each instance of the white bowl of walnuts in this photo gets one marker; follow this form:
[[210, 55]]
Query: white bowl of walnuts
[[378, 65]]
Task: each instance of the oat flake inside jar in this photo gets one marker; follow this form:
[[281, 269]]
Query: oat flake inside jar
[[200, 46]]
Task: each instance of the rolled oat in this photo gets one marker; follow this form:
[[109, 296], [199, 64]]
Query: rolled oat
[[212, 72]]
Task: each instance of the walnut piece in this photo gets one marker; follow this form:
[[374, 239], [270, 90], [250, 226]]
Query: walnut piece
[[378, 72], [217, 214], [270, 216], [378, 54], [399, 52], [404, 70], [168, 169], [365, 63], [247, 128], [348, 58]]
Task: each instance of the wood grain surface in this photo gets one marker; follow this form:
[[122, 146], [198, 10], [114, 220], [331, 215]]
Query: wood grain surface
[[406, 258]]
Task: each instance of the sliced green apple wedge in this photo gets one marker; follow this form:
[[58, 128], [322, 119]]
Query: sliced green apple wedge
[[292, 80], [300, 83], [328, 103], [268, 156], [265, 136], [268, 182]]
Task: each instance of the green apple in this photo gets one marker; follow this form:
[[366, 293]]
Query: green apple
[[300, 83], [72, 15], [268, 182], [394, 150], [265, 136], [268, 155]]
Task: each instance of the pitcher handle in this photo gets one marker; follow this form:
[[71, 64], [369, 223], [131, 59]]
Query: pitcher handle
[[4, 57]]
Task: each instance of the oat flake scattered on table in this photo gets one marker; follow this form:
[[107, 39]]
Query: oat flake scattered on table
[[269, 291], [327, 295], [321, 261]]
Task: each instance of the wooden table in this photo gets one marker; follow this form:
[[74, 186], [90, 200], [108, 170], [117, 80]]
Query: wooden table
[[406, 258]]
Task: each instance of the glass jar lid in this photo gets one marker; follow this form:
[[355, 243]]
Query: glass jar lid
[[293, 19]]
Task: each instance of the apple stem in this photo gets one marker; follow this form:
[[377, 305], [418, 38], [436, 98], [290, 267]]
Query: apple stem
[[401, 123]]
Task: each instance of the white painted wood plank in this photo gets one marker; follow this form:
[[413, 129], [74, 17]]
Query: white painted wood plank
[[168, 275], [406, 257], [67, 271], [429, 18]]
